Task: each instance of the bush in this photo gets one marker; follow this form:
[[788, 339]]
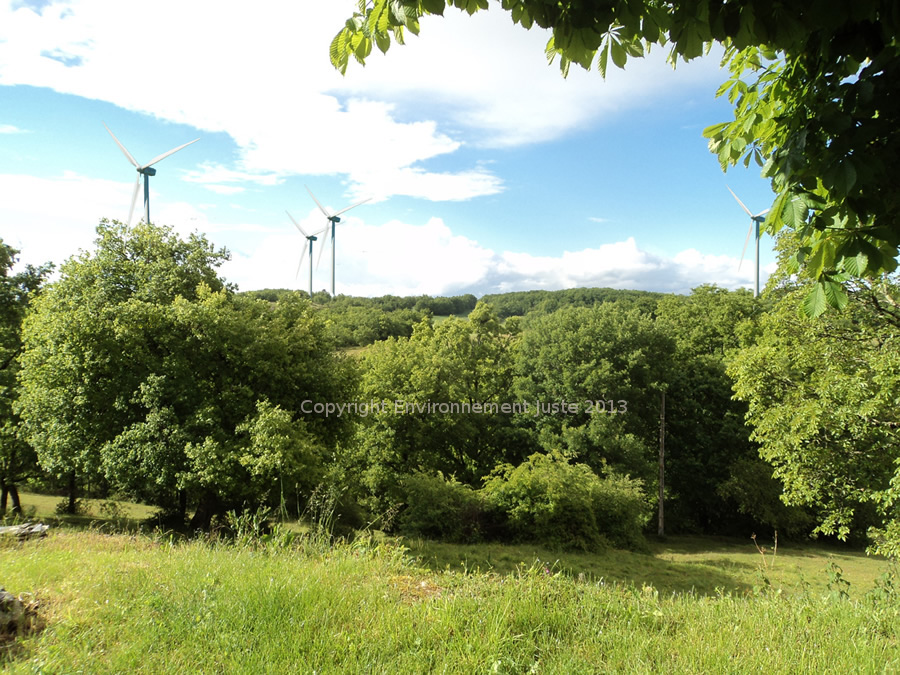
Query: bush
[[440, 508], [548, 500]]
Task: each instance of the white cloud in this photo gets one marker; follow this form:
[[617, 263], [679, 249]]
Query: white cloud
[[473, 67], [272, 89], [50, 219], [212, 173], [405, 259], [10, 129]]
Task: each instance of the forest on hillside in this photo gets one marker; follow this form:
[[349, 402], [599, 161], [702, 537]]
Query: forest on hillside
[[141, 373]]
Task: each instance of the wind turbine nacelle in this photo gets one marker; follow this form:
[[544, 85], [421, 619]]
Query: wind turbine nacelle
[[313, 238], [148, 171], [334, 219]]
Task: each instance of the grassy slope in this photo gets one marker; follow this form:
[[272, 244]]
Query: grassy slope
[[44, 507], [681, 564], [129, 604]]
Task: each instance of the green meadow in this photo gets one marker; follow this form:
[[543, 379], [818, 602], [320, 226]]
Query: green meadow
[[147, 603]]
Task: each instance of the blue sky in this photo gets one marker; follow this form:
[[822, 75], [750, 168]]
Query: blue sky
[[487, 171]]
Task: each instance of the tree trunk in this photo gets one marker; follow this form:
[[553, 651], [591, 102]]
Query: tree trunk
[[207, 507], [72, 498], [4, 494], [16, 504]]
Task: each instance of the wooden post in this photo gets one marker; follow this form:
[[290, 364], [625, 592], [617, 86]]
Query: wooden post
[[662, 464]]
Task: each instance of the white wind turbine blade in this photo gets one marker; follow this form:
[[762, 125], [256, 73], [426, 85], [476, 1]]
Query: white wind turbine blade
[[123, 148], [166, 154], [321, 208], [134, 194], [746, 241], [367, 199], [322, 247], [297, 225], [740, 202]]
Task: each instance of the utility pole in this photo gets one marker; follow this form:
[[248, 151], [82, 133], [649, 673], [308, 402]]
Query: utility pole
[[662, 463]]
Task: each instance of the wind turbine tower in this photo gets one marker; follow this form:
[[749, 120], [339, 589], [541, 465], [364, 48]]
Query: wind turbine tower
[[145, 170], [333, 220], [754, 226]]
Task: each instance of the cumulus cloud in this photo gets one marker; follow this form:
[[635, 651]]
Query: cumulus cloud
[[50, 219], [290, 113], [193, 74], [400, 258]]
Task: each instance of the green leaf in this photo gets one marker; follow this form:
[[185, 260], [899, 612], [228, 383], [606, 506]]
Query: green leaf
[[835, 294], [815, 303], [383, 42], [715, 129], [840, 177], [619, 56], [550, 50], [603, 61], [795, 211], [434, 6]]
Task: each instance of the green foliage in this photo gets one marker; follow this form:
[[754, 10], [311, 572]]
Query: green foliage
[[78, 508], [547, 499], [708, 443], [520, 303], [359, 325], [355, 321], [822, 399], [441, 509], [812, 89], [444, 402], [611, 364], [143, 369]]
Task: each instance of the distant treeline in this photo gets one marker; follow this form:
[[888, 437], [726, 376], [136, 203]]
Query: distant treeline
[[358, 321], [543, 302], [458, 305]]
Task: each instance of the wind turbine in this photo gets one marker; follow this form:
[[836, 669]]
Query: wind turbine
[[311, 238], [332, 221], [754, 225], [146, 171]]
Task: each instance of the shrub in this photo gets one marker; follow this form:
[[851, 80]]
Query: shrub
[[548, 500], [441, 508]]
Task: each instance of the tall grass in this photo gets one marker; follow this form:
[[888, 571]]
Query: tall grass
[[116, 603]]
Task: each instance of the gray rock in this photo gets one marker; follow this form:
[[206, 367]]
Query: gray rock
[[12, 612]]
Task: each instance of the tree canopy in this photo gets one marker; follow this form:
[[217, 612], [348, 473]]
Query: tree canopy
[[813, 89], [142, 369], [822, 401]]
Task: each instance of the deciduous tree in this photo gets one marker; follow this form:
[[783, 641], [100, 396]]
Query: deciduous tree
[[143, 368], [440, 388], [593, 376], [822, 399]]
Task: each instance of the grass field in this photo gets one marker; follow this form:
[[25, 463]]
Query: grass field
[[43, 507], [703, 565], [120, 603]]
